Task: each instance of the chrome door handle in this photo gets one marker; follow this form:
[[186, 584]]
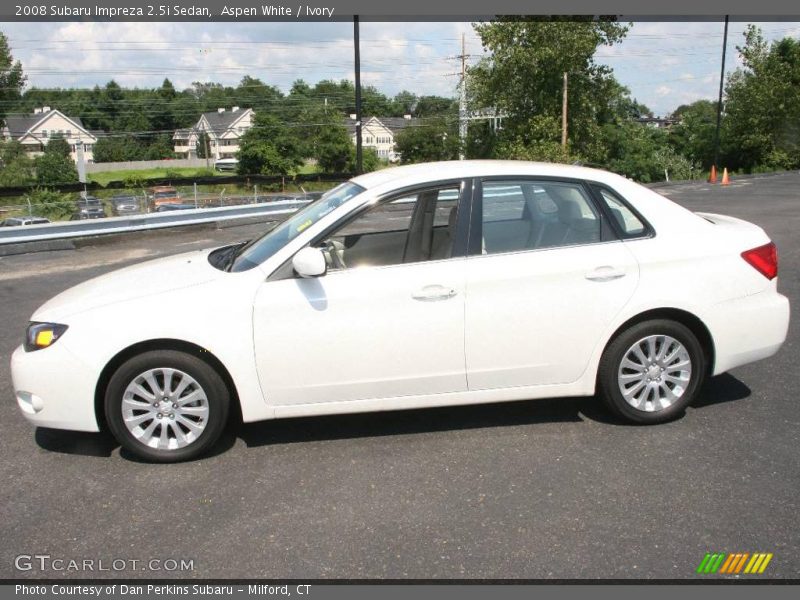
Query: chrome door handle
[[433, 292], [605, 273]]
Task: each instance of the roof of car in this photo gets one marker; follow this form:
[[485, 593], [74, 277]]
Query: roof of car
[[421, 172]]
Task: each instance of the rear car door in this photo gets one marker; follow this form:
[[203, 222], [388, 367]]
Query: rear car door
[[545, 277]]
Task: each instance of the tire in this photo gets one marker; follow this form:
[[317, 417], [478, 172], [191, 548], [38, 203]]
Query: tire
[[173, 426], [656, 383]]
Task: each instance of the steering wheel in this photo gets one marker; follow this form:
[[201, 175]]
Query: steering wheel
[[336, 251]]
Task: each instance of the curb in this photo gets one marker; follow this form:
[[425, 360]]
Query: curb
[[30, 247]]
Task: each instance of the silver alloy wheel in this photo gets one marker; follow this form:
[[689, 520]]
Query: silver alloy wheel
[[654, 373], [165, 408]]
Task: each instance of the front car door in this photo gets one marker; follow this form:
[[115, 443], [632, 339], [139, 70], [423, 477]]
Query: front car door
[[545, 278], [385, 321]]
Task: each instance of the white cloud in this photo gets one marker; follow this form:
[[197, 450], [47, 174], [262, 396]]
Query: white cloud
[[420, 57]]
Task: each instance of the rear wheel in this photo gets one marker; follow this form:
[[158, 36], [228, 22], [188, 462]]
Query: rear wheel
[[166, 406], [652, 371]]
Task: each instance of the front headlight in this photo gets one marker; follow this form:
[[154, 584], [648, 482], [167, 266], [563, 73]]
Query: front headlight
[[42, 335]]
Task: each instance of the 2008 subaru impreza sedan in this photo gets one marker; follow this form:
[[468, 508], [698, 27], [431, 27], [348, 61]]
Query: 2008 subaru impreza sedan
[[425, 285]]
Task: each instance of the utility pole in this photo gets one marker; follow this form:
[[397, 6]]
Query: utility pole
[[359, 150], [564, 115], [462, 103], [719, 101]]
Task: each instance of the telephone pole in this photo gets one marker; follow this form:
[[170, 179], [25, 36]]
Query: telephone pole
[[462, 103], [359, 150], [564, 115], [719, 100]]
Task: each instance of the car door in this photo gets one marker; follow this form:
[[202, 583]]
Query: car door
[[386, 320], [543, 283]]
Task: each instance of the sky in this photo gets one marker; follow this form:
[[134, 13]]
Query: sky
[[664, 64]]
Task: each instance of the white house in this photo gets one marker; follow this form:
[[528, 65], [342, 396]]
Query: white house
[[224, 129], [35, 130], [380, 133]]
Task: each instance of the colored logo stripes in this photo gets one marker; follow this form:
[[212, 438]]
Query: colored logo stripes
[[734, 563]]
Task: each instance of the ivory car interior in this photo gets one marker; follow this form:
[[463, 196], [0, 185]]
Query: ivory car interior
[[417, 286]]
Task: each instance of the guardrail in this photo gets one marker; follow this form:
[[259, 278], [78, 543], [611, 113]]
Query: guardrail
[[173, 218]]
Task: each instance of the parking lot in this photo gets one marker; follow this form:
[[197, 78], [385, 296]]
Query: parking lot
[[536, 489]]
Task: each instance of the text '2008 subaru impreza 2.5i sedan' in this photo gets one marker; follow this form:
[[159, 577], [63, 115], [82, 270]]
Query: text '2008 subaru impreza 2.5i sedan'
[[425, 285]]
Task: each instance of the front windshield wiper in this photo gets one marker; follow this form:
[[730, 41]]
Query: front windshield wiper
[[235, 250]]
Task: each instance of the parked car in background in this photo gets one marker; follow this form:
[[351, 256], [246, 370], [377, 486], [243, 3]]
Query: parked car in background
[[163, 194], [88, 207], [125, 204], [168, 207], [425, 285], [18, 221], [226, 164]]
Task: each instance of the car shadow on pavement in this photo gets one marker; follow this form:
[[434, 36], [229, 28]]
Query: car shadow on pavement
[[717, 390], [75, 442], [724, 388], [720, 389]]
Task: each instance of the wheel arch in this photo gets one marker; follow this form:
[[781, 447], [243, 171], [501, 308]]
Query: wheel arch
[[684, 317], [161, 344]]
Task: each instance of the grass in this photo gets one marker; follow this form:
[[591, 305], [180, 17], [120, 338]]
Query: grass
[[157, 173]]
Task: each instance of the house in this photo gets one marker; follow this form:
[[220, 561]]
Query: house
[[224, 129], [658, 122], [35, 130], [380, 133]]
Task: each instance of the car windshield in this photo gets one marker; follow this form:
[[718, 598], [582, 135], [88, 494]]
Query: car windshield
[[260, 249], [165, 194]]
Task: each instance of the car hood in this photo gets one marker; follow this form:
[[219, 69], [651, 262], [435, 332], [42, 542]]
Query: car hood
[[137, 281]]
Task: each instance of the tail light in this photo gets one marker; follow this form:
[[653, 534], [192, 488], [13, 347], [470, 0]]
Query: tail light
[[763, 259]]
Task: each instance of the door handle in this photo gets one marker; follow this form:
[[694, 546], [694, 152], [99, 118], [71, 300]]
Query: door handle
[[605, 273], [433, 292]]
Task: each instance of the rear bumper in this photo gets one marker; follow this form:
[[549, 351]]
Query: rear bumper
[[748, 329], [54, 388]]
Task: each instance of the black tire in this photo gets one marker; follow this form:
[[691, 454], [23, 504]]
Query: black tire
[[609, 369], [210, 382]]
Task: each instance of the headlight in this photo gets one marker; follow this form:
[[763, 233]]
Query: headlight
[[42, 335]]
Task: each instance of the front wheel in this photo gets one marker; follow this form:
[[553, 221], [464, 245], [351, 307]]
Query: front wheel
[[652, 371], [166, 406]]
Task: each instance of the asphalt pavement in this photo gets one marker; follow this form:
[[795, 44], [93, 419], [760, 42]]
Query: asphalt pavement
[[536, 489]]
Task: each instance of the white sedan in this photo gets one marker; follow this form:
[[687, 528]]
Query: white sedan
[[425, 285]]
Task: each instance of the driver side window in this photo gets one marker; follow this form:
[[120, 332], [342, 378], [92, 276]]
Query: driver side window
[[411, 228]]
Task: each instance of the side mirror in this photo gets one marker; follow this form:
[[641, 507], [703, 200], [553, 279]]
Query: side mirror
[[310, 262]]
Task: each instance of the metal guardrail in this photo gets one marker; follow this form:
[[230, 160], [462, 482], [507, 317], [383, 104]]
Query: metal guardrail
[[159, 220]]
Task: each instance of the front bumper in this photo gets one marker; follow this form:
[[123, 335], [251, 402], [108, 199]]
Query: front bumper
[[748, 329], [54, 388]]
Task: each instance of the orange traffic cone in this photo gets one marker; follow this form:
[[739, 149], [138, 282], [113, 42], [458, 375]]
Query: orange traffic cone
[[725, 179], [712, 177]]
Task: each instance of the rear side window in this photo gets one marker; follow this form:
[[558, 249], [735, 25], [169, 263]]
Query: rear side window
[[530, 215], [629, 224]]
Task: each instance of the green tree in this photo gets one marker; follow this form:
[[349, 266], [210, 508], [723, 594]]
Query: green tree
[[203, 147], [269, 148], [762, 108], [160, 147], [643, 153], [16, 167], [369, 159], [12, 79], [523, 78], [51, 204], [334, 150], [435, 140], [404, 103], [55, 166], [118, 148], [693, 135], [433, 106]]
